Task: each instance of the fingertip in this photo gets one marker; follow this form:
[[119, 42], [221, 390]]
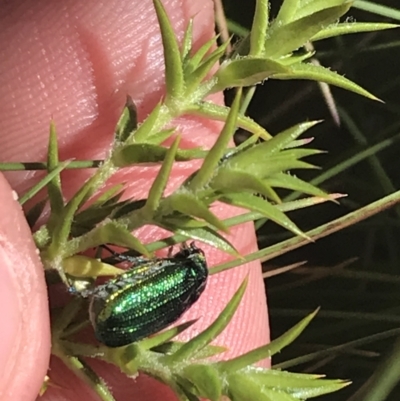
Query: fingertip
[[25, 334]]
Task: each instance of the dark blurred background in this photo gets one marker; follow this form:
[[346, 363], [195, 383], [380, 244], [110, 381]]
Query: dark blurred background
[[354, 275]]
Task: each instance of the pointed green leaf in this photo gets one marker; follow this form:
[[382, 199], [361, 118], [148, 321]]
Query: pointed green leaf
[[308, 8], [297, 153], [207, 169], [148, 153], [287, 12], [307, 202], [211, 332], [127, 123], [188, 204], [247, 144], [242, 387], [207, 352], [273, 385], [54, 186], [325, 387], [346, 28], [246, 72], [282, 374], [296, 58], [220, 113], [160, 182], [300, 387], [112, 195], [203, 234], [259, 28], [112, 233], [268, 350], [145, 129], [273, 145], [165, 336], [287, 181], [322, 74], [179, 220], [278, 164], [287, 139], [274, 165], [298, 143], [284, 39], [262, 206], [199, 74], [87, 219], [235, 180], [43, 182], [186, 46], [83, 266], [174, 81], [206, 380], [62, 231], [82, 369], [267, 166], [287, 338], [193, 62]]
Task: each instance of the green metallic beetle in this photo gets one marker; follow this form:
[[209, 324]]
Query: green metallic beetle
[[147, 298]]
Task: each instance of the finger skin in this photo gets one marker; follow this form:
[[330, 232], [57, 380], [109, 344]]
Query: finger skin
[[24, 334], [76, 62]]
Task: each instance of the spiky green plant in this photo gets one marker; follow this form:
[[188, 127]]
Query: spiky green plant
[[232, 175]]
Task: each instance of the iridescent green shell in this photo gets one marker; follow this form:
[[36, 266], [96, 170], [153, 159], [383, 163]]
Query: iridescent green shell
[[147, 298]]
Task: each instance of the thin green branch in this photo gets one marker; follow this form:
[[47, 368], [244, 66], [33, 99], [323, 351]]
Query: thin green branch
[[317, 233], [33, 166]]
